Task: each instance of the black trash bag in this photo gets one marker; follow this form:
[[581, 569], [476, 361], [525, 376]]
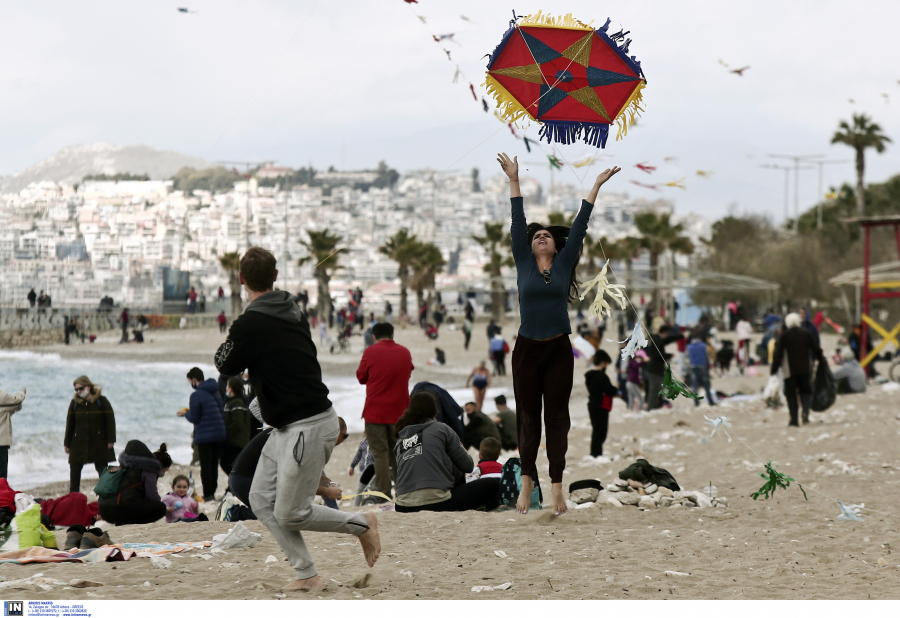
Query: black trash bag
[[642, 471], [824, 389]]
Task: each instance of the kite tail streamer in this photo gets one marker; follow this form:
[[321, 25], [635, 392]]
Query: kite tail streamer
[[630, 111], [570, 132], [510, 109]]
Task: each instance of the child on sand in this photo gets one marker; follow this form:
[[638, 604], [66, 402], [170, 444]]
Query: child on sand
[[362, 460], [600, 399], [488, 467], [179, 504]]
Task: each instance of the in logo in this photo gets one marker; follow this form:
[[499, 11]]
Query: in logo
[[13, 608]]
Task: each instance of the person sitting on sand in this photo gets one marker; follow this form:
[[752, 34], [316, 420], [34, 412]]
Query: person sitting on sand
[[542, 363], [478, 427], [428, 455], [505, 419], [180, 506], [272, 340], [480, 379], [241, 478], [138, 499], [488, 467]]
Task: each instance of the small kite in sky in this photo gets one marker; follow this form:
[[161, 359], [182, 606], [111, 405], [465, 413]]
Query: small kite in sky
[[183, 9], [411, 1], [677, 184], [704, 173], [670, 159], [554, 162], [851, 100], [456, 75], [646, 186], [464, 18], [583, 162], [527, 144], [645, 168], [723, 63], [472, 89], [513, 131], [447, 51], [485, 105], [740, 71], [422, 19], [441, 37], [887, 99]]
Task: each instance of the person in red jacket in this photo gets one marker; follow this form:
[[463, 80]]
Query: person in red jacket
[[385, 369]]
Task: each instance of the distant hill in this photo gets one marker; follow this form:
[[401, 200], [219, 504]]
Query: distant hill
[[73, 163]]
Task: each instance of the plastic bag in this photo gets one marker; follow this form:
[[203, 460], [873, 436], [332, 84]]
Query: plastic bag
[[239, 536], [824, 389], [773, 394]]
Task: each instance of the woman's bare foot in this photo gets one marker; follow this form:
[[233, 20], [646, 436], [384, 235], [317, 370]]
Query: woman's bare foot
[[524, 501], [370, 541], [311, 583], [559, 501]]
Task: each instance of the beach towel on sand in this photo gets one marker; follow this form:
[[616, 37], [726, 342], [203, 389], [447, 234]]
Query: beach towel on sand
[[107, 553]]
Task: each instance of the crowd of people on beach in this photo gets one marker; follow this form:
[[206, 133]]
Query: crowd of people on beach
[[267, 421]]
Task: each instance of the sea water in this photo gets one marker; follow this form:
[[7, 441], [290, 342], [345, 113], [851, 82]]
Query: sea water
[[145, 398]]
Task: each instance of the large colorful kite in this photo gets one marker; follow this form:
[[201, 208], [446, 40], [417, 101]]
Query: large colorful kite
[[572, 79]]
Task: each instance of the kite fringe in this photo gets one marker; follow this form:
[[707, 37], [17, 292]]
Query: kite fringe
[[630, 111], [560, 21], [570, 132], [510, 109]]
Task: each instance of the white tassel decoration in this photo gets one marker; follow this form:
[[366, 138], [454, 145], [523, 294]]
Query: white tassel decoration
[[615, 291]]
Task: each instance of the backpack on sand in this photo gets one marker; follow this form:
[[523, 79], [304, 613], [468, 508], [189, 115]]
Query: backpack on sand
[[511, 485], [108, 485]]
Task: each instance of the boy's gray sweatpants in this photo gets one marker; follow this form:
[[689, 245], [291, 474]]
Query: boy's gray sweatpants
[[285, 484]]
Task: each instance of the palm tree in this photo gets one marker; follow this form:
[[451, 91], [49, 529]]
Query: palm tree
[[659, 235], [402, 247], [231, 263], [322, 247], [494, 240], [426, 264], [862, 134]]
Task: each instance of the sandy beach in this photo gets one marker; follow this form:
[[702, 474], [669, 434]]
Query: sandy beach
[[783, 548]]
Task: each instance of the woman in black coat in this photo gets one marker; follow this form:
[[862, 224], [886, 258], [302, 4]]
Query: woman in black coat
[[90, 431]]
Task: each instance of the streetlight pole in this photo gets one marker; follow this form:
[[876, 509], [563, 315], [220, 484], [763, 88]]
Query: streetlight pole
[[796, 159]]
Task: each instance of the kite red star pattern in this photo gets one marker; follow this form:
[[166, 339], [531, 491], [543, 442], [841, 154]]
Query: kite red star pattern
[[560, 72]]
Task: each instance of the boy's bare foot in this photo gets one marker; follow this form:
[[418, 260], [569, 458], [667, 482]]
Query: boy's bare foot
[[524, 501], [311, 583], [559, 501], [370, 541]]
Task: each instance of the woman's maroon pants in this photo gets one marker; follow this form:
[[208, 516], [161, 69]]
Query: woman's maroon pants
[[542, 377]]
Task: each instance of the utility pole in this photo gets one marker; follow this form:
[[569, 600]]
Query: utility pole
[[821, 195], [796, 159], [787, 179]]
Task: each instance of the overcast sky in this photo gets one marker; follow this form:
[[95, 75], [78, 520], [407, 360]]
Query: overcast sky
[[362, 81]]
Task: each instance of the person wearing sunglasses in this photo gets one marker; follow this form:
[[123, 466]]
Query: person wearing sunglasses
[[546, 260], [90, 431]]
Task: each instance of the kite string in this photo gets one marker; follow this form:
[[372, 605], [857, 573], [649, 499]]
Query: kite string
[[804, 486], [261, 80]]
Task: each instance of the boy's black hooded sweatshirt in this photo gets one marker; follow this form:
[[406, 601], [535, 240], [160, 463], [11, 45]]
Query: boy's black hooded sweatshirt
[[272, 340]]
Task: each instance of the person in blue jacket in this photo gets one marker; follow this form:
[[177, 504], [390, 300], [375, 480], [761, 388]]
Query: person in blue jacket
[[207, 413]]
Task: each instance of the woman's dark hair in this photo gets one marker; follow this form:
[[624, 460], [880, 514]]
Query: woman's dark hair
[[422, 408], [180, 477], [162, 456], [560, 234]]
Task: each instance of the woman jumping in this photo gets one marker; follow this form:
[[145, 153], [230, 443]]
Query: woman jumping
[[542, 361]]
